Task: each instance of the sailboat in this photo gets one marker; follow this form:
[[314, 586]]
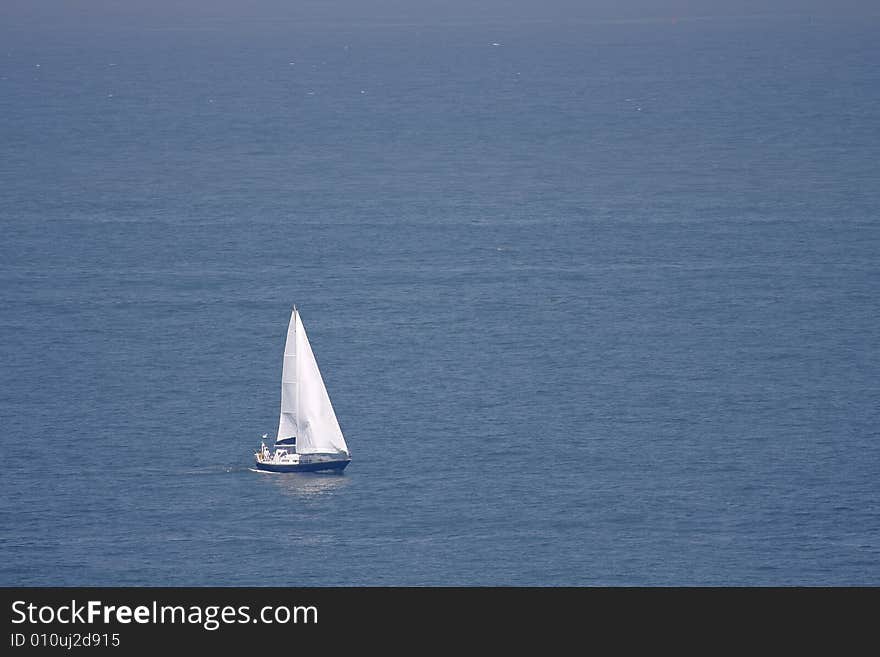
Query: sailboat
[[309, 438]]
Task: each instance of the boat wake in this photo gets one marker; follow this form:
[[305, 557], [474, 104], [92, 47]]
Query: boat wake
[[211, 470], [266, 471]]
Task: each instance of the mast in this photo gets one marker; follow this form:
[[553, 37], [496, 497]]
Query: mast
[[296, 372]]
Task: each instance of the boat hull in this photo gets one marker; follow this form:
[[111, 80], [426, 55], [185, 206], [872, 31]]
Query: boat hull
[[322, 466]]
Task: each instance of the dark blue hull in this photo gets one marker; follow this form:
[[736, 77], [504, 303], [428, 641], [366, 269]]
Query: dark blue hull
[[326, 466]]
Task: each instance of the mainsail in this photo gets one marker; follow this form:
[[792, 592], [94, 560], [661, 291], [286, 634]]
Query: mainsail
[[306, 411], [287, 422]]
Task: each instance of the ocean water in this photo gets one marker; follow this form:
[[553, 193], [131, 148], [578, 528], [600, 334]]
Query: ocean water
[[596, 302]]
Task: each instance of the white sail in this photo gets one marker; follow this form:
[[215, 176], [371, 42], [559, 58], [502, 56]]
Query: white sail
[[306, 411], [287, 422], [318, 427]]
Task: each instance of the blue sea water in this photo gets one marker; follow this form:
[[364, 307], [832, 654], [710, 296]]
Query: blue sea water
[[596, 302]]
